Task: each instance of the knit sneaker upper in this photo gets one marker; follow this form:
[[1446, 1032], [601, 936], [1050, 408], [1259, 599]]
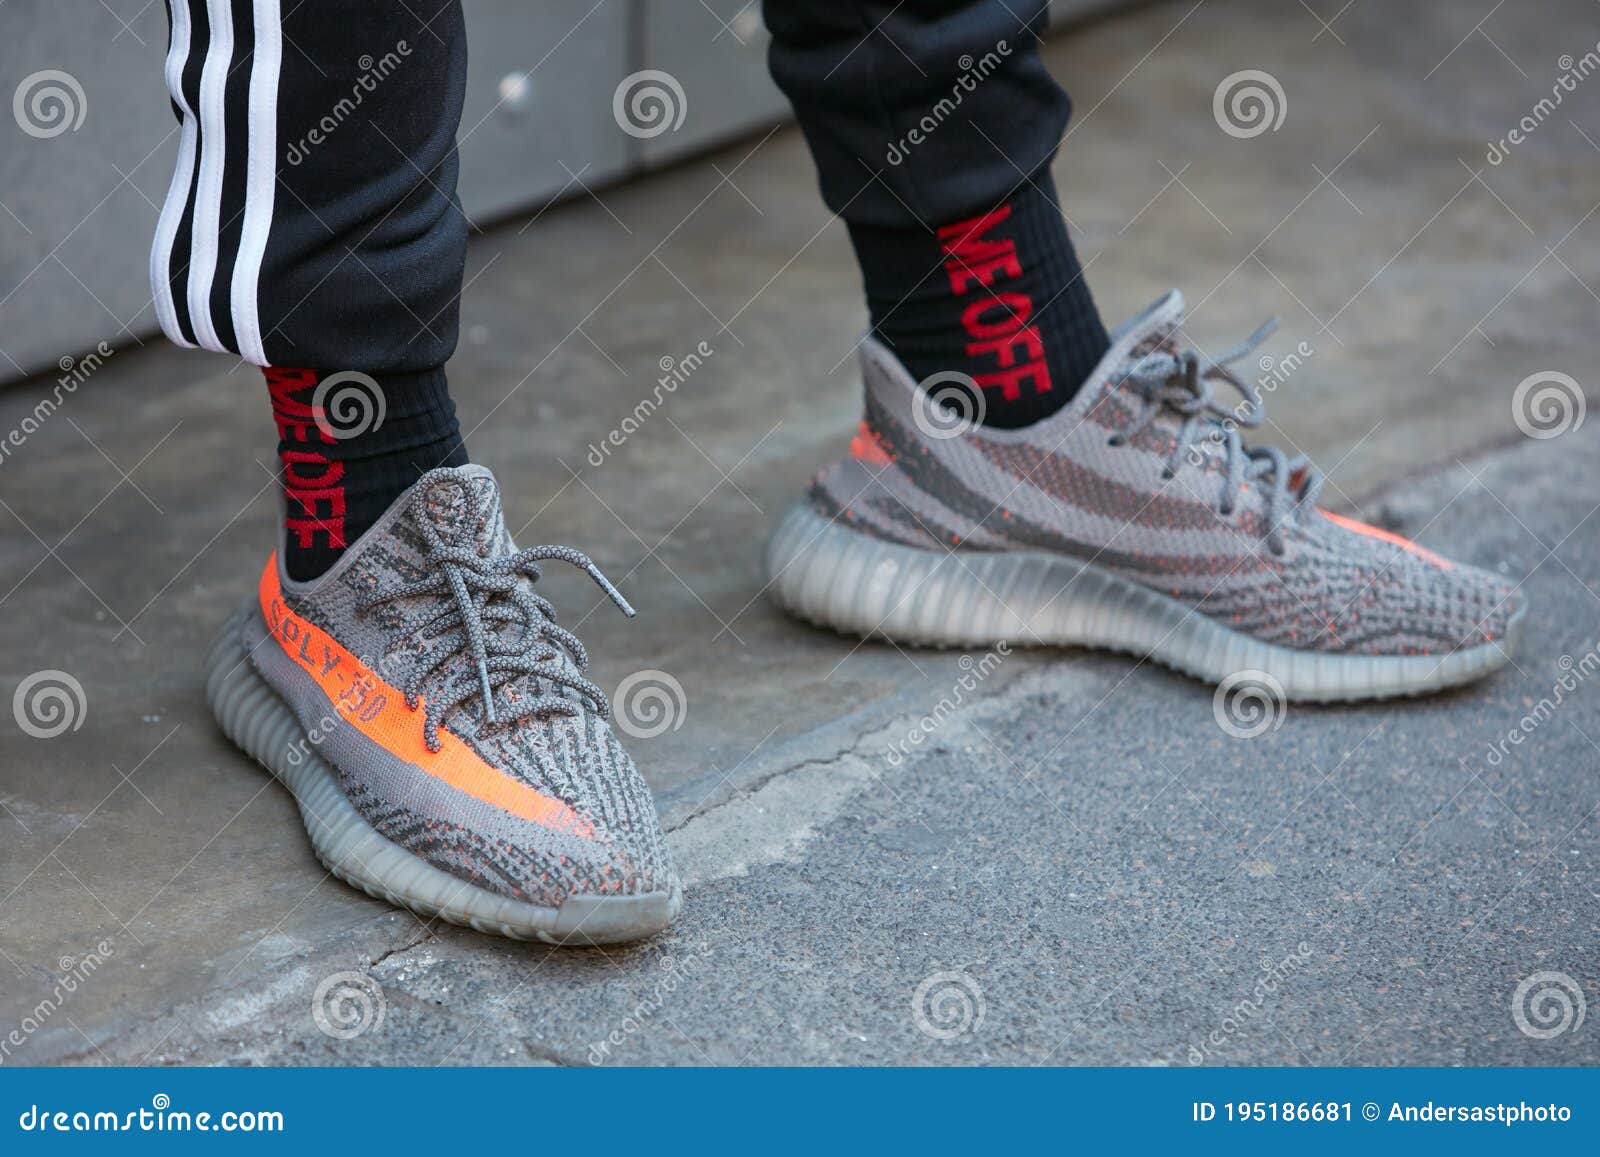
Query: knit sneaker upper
[[1147, 475], [526, 790]]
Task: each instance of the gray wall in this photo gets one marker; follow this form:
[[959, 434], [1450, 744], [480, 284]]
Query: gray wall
[[77, 208]]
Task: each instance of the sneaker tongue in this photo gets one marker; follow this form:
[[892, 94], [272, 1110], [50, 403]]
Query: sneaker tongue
[[463, 505], [1155, 329]]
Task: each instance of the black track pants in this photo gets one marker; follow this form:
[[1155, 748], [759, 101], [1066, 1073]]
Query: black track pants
[[918, 112], [313, 221]]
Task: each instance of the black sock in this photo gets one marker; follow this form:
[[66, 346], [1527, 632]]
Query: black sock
[[999, 297], [347, 455]]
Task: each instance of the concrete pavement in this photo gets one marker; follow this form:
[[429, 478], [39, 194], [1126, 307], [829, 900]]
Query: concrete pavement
[[1079, 865]]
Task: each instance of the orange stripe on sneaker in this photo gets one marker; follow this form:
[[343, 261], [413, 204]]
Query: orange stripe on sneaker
[[867, 446], [1389, 536], [378, 711]]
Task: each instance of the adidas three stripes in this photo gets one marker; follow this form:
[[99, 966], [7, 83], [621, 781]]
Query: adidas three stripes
[[312, 217]]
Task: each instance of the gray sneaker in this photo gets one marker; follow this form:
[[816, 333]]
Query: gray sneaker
[[1135, 519], [434, 724]]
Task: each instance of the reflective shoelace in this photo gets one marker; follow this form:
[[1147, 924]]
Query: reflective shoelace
[[484, 596], [1182, 383]]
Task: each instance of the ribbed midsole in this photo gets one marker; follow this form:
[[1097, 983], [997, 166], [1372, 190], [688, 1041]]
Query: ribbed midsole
[[259, 722], [839, 577]]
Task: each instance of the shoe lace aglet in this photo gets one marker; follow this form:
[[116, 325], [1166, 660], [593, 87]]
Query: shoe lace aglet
[[611, 592], [488, 693]]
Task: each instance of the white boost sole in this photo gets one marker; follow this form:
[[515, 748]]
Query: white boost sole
[[262, 725], [838, 577]]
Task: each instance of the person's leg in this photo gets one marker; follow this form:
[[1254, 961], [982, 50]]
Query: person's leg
[[1124, 509], [312, 228], [933, 124], [393, 667]]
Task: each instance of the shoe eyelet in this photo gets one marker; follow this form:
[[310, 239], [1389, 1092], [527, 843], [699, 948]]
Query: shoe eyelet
[[1168, 474], [1114, 440], [1234, 519]]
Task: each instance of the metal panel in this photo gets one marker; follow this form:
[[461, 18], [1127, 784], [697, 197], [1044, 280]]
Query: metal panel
[[84, 166], [79, 197], [538, 113], [716, 52], [78, 206]]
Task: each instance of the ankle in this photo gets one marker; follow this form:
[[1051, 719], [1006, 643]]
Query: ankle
[[349, 445], [998, 297]]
